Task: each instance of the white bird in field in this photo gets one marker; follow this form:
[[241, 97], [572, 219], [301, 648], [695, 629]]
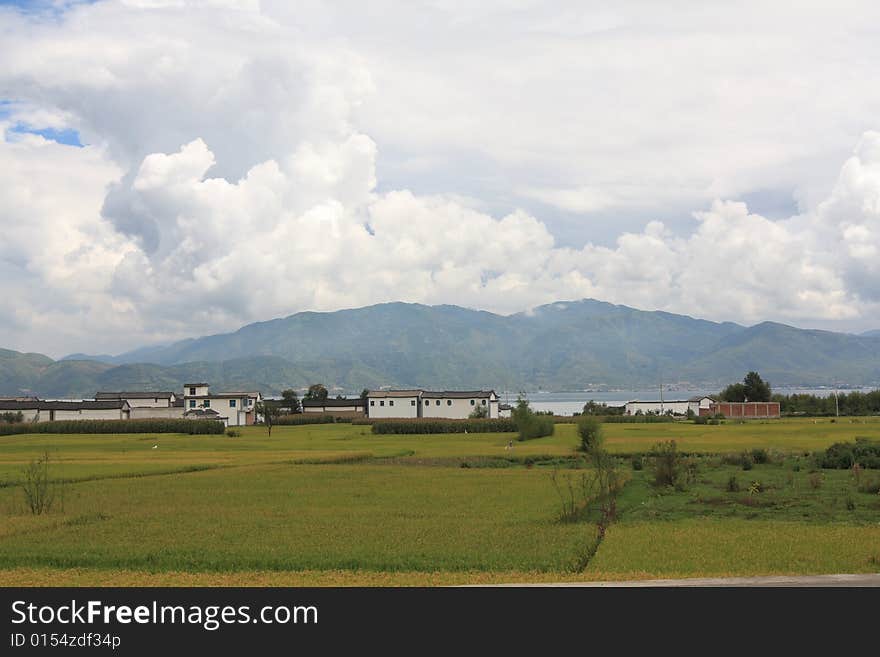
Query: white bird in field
[[155, 447]]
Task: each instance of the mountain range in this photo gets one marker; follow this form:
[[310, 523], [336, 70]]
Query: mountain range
[[560, 346]]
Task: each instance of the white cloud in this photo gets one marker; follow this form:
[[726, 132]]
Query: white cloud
[[234, 164]]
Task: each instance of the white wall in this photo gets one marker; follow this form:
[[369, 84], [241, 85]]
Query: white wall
[[382, 407], [30, 415], [695, 406], [86, 414], [456, 408], [149, 402], [146, 412]]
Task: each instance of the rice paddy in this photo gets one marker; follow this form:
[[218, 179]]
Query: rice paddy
[[337, 505]]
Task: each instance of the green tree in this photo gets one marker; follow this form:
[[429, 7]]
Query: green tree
[[530, 424], [268, 412], [590, 432], [755, 388], [317, 392], [735, 392], [365, 393], [291, 400], [479, 412]]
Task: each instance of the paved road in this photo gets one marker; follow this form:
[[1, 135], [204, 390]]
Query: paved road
[[802, 580]]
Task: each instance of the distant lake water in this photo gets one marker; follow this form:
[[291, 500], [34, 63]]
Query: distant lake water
[[569, 403]]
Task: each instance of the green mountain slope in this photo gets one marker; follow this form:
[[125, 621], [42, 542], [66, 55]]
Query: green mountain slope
[[565, 345]]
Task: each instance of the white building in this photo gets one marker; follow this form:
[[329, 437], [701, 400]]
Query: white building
[[149, 404], [450, 404], [50, 411], [676, 406], [233, 408]]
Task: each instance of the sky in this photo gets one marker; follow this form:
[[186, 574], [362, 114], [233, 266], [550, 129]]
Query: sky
[[172, 168]]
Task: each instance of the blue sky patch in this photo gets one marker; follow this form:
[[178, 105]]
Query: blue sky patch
[[66, 136]]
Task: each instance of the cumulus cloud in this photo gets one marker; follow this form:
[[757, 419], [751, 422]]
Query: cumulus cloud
[[232, 173]]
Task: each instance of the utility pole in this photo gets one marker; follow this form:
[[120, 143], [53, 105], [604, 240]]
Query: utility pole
[[661, 392]]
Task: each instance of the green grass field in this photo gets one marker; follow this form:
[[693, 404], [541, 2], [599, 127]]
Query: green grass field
[[335, 504]]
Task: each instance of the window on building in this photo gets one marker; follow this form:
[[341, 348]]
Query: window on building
[[192, 403], [484, 402], [391, 402], [207, 403], [231, 403], [192, 391], [449, 402], [427, 402], [381, 403], [372, 403], [413, 402], [438, 402], [473, 402]]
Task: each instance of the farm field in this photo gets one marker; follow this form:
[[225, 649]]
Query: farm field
[[337, 505]]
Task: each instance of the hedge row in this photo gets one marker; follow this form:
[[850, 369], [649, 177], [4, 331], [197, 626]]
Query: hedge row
[[153, 425], [433, 425], [535, 426], [638, 419], [308, 418]]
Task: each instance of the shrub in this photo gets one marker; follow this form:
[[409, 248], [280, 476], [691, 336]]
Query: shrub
[[732, 484], [760, 455], [536, 427], [233, 433], [479, 412], [590, 432], [746, 461], [842, 456], [815, 480], [529, 424], [701, 419], [666, 462], [39, 491], [638, 418], [431, 425], [638, 463], [11, 417], [151, 425], [308, 418], [870, 486]]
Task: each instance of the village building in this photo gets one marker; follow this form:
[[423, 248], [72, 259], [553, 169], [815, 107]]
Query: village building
[[50, 411], [696, 405], [148, 404], [449, 404], [232, 408]]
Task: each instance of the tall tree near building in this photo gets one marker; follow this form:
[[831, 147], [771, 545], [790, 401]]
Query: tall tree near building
[[317, 392], [291, 400], [267, 412], [755, 388]]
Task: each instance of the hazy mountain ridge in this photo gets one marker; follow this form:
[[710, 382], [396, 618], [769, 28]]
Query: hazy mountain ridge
[[564, 345]]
